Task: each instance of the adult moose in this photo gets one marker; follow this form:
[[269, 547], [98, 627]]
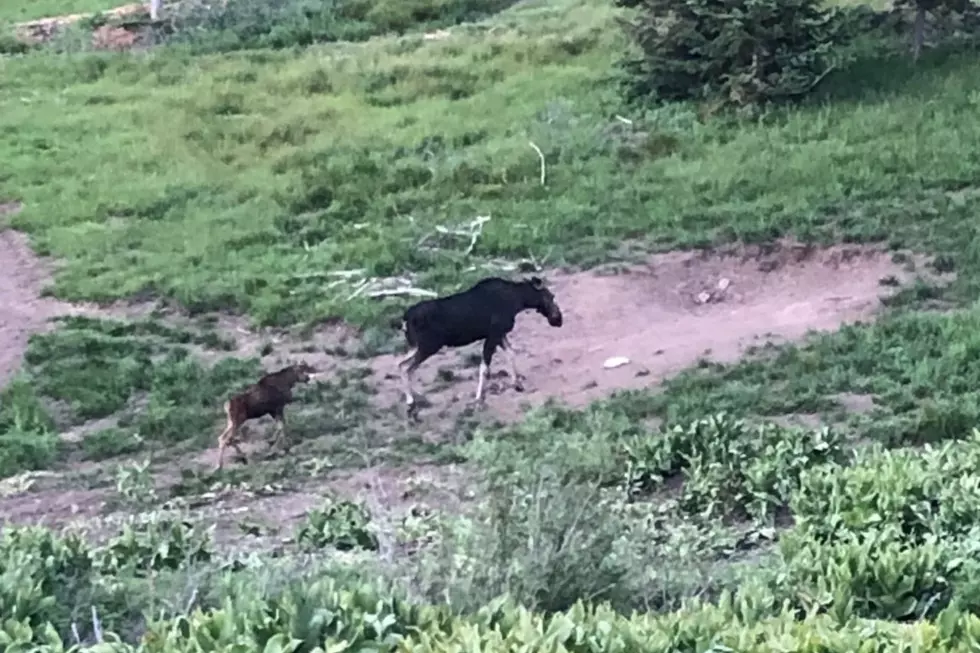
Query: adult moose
[[486, 312]]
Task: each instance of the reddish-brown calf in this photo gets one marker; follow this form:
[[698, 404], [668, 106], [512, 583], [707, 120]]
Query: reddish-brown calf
[[267, 397]]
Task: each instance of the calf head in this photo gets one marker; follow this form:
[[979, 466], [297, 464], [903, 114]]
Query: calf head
[[303, 371], [541, 299]]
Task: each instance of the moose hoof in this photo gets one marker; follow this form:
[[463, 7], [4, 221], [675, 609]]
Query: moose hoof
[[413, 411]]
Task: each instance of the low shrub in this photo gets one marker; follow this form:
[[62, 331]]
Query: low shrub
[[921, 493], [28, 440], [341, 524], [250, 24], [726, 466]]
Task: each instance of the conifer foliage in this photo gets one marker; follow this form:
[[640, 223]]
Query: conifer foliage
[[734, 52]]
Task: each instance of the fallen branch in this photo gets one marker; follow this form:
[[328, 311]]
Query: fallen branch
[[375, 288], [360, 288], [410, 291], [544, 171], [473, 231], [190, 603], [96, 626]]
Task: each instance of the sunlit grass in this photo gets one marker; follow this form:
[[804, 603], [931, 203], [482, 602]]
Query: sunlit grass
[[23, 10], [225, 181], [242, 180]]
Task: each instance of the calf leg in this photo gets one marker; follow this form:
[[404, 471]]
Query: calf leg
[[228, 436], [406, 375], [280, 437], [222, 443], [509, 352]]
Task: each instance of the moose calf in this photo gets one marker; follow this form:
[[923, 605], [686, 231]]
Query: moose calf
[[485, 312], [267, 397]]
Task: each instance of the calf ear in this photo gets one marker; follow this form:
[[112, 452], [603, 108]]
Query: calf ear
[[537, 283]]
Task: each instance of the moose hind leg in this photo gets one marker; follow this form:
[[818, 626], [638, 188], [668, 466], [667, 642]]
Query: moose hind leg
[[512, 360], [413, 360], [406, 374]]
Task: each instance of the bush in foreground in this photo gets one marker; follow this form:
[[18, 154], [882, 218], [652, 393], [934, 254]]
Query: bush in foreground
[[322, 616]]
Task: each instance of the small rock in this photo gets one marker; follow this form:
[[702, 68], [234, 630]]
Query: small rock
[[615, 361], [768, 266], [643, 372], [703, 297], [723, 284]]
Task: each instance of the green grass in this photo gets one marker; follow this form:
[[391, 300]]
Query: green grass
[[16, 11], [28, 439], [141, 372], [241, 181], [157, 397]]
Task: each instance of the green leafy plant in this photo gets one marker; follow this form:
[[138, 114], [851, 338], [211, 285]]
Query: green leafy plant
[[725, 464], [156, 544], [929, 492], [134, 483], [28, 440], [873, 574], [342, 524]]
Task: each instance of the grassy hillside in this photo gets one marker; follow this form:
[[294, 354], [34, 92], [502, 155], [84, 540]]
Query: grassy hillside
[[261, 187], [17, 11], [241, 181]]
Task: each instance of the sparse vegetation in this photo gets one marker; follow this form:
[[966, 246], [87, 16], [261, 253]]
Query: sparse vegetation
[[163, 394], [22, 10], [303, 163], [251, 24], [340, 524]]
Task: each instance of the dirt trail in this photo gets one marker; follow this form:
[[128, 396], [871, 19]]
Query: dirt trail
[[22, 309], [653, 315], [663, 316]]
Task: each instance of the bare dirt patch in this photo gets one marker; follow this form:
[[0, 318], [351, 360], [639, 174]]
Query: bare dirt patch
[[664, 316], [54, 508], [108, 37], [24, 310]]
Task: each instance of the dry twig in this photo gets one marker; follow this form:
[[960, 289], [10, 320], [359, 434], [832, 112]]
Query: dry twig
[[544, 170], [96, 626], [473, 231]]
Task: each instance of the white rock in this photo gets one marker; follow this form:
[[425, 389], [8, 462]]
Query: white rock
[[615, 361]]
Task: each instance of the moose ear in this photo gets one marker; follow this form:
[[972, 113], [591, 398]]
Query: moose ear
[[536, 283]]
